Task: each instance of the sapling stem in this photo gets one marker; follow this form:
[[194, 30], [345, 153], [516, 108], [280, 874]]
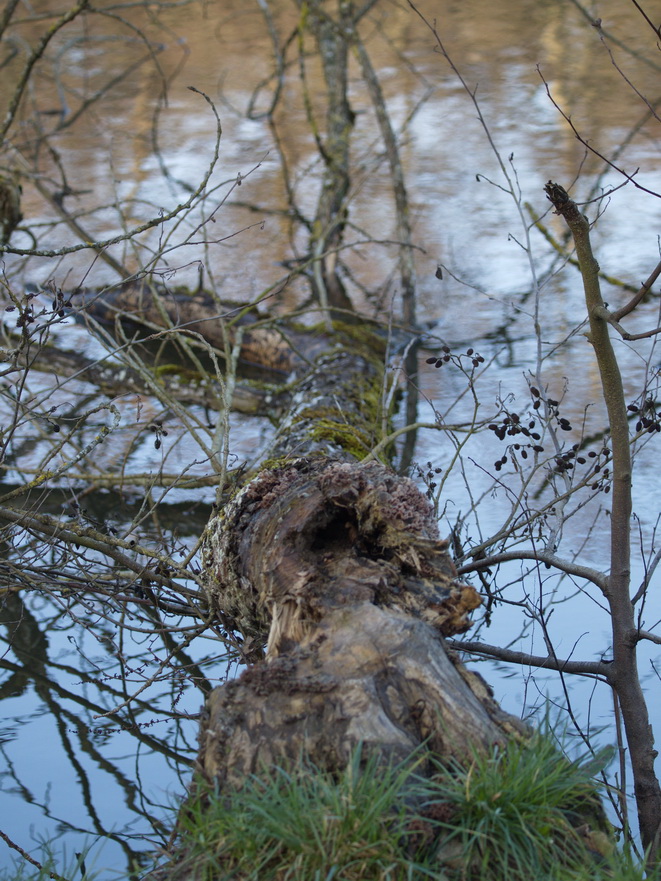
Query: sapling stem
[[623, 675]]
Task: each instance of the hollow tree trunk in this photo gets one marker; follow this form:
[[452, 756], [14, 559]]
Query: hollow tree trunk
[[329, 569], [337, 566]]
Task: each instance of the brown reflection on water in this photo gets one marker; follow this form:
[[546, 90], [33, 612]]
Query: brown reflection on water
[[116, 154], [224, 50], [138, 152]]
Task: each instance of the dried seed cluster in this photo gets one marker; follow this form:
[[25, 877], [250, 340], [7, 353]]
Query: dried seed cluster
[[512, 425], [600, 468], [440, 360], [553, 406], [157, 428], [527, 427], [566, 462], [648, 419], [27, 313], [427, 478]]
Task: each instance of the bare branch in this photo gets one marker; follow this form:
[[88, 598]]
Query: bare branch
[[586, 668], [541, 556]]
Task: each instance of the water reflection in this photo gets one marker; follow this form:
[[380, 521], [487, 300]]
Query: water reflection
[[72, 772], [75, 770]]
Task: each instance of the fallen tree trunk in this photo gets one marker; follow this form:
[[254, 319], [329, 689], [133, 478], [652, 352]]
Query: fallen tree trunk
[[331, 575], [339, 567]]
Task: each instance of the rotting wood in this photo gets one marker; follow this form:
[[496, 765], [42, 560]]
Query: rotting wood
[[264, 343], [339, 567]]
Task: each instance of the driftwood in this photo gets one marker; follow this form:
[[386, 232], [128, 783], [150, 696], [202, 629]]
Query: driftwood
[[335, 566]]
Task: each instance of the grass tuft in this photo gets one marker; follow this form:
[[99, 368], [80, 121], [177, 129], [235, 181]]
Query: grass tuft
[[520, 813], [306, 824], [520, 810]]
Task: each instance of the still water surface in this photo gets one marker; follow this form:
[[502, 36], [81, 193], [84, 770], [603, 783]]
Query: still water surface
[[76, 777]]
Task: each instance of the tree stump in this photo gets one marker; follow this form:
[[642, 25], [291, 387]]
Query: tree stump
[[339, 569]]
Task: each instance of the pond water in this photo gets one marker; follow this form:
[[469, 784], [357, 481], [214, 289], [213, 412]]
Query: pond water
[[82, 771]]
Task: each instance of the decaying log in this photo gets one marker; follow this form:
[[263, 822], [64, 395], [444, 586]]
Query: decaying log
[[335, 566], [362, 674], [338, 566], [331, 571], [298, 538], [153, 306]]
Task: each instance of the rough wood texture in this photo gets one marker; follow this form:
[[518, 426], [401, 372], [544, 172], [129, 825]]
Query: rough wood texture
[[299, 539], [363, 673], [155, 306], [339, 565], [336, 566]]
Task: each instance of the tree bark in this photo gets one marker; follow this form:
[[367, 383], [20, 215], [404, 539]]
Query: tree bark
[[333, 565], [623, 674], [337, 567], [329, 571]]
